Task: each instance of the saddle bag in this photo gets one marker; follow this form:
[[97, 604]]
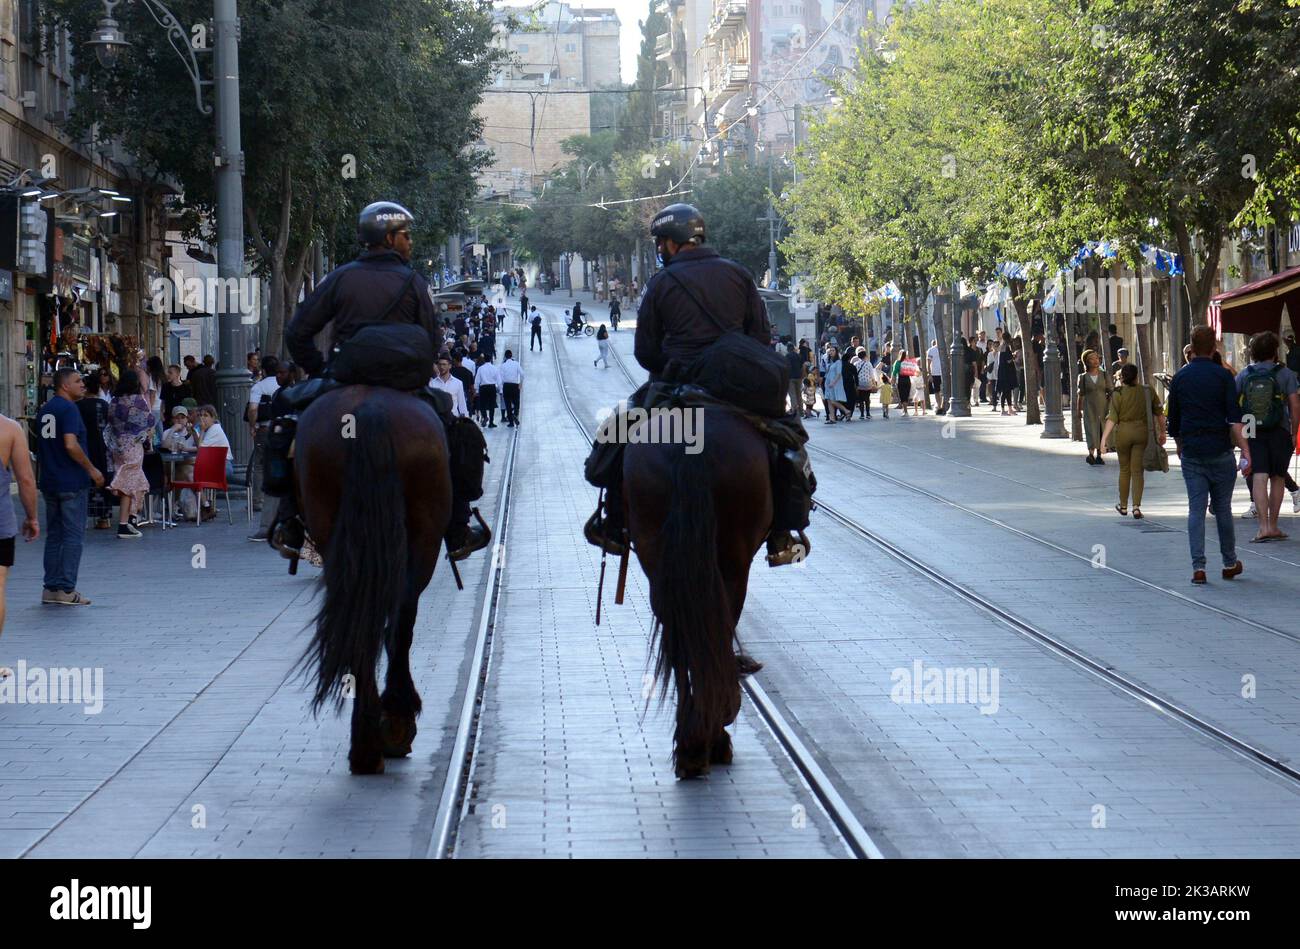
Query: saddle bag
[[277, 467], [793, 484], [467, 454], [394, 355]]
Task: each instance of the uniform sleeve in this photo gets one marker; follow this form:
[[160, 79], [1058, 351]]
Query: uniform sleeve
[[312, 316], [648, 344]]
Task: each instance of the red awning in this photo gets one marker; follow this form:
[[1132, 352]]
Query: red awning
[[1257, 307]]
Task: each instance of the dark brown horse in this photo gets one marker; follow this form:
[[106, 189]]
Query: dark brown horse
[[696, 521], [375, 489]]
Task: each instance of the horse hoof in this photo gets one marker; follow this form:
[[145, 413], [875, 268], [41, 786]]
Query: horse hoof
[[721, 751], [397, 734], [366, 764], [746, 664]]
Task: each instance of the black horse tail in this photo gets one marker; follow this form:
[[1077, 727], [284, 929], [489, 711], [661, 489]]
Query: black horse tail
[[694, 628], [365, 573]]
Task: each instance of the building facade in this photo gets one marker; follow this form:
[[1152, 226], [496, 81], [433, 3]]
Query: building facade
[[80, 235], [561, 57]]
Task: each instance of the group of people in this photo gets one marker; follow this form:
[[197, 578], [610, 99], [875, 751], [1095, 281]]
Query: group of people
[[466, 368], [94, 434], [850, 376]]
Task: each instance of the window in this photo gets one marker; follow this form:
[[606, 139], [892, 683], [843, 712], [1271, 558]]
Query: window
[[570, 48]]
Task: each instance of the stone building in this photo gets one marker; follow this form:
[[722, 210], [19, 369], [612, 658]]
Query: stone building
[[80, 235]]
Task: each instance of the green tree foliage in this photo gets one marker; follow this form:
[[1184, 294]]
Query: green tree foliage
[[732, 203], [342, 102]]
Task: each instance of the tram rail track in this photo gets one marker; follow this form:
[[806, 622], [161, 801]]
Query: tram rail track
[[1112, 676], [457, 790], [855, 836]]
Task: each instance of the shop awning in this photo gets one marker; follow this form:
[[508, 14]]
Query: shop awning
[[1257, 307]]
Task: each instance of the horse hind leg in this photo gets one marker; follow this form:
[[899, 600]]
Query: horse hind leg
[[366, 755], [400, 703]]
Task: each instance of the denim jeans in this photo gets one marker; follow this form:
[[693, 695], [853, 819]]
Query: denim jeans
[[1211, 478], [65, 530]]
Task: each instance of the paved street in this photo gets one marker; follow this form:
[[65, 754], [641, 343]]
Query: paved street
[[204, 746]]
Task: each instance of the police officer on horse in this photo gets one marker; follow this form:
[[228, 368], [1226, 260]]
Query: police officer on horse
[[689, 305], [378, 287]]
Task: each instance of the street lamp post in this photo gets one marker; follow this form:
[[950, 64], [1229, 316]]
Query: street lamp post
[[108, 42], [959, 396], [1053, 419]]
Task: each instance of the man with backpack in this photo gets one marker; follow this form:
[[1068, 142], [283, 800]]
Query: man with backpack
[[1269, 396], [536, 336]]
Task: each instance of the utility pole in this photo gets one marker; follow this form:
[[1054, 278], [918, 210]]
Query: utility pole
[[232, 379], [772, 281], [959, 394]]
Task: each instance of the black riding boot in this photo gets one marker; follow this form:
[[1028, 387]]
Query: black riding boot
[[463, 539], [288, 533], [607, 532]]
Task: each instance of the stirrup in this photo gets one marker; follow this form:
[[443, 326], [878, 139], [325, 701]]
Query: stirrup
[[288, 536], [783, 549], [474, 538], [597, 533]]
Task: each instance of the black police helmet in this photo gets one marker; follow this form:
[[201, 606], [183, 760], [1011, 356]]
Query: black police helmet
[[380, 219], [681, 223]]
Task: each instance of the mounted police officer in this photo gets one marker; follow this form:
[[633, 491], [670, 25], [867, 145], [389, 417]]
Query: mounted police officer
[[695, 298], [378, 287]]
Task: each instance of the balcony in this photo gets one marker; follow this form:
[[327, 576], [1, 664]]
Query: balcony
[[734, 78], [664, 46], [727, 15]]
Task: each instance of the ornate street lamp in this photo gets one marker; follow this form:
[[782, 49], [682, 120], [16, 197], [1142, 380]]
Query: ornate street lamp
[[109, 43]]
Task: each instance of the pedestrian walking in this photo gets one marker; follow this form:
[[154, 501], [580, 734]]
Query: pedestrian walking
[[258, 415], [131, 425], [512, 382], [602, 342], [94, 415], [1006, 378], [849, 375], [15, 468], [536, 336], [798, 369], [1205, 423], [867, 383], [486, 382], [1270, 405], [1127, 421], [523, 309], [67, 474], [903, 370], [833, 386], [1094, 391], [886, 388]]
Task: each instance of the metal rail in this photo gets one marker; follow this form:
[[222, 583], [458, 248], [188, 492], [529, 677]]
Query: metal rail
[[1052, 545], [460, 767], [856, 837]]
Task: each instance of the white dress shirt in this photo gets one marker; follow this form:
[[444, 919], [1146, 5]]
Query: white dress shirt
[[511, 372], [487, 375], [454, 389]]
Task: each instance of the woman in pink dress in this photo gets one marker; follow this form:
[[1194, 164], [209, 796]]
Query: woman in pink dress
[[131, 423]]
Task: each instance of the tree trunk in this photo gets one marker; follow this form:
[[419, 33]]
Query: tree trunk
[[1200, 272]]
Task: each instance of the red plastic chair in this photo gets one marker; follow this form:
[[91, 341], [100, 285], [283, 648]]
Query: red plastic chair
[[209, 474]]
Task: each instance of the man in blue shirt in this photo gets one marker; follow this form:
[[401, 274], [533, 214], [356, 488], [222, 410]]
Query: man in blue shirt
[[1205, 422], [66, 477]]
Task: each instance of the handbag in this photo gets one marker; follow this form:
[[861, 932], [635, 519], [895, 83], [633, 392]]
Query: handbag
[[1155, 458]]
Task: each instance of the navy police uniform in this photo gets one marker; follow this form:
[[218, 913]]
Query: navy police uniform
[[669, 324], [363, 291]]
